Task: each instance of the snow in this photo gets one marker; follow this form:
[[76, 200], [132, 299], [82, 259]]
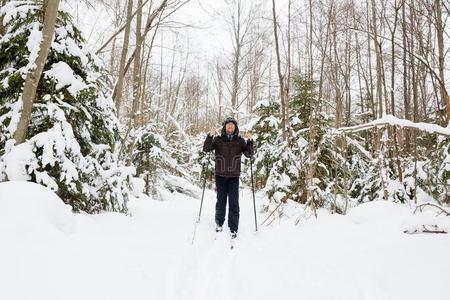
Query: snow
[[272, 121], [262, 103], [138, 185], [21, 160], [65, 76], [20, 9], [295, 120], [392, 120], [14, 114], [426, 221], [15, 162], [63, 43], [30, 208], [148, 255], [14, 8], [34, 44], [377, 211]]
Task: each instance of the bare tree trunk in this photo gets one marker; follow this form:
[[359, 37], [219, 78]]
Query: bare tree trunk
[[440, 38], [378, 60], [33, 76], [324, 53], [406, 94], [137, 66], [413, 64], [336, 80], [2, 27], [143, 101], [369, 62], [235, 80], [142, 106], [170, 84], [347, 78], [395, 141], [117, 17], [280, 75], [288, 78], [312, 152], [393, 30], [218, 80], [160, 77], [117, 94], [311, 68]]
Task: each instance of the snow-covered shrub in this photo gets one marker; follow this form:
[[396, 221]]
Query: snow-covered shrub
[[200, 164], [163, 163], [433, 166], [444, 170], [152, 157], [266, 128]]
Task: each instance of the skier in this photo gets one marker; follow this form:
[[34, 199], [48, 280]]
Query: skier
[[228, 147]]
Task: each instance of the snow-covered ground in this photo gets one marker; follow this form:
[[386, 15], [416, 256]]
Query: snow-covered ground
[[46, 252]]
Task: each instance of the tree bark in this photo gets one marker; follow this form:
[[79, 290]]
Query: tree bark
[[378, 60], [117, 94], [406, 91], [280, 75], [2, 28], [440, 38], [33, 76], [137, 66]]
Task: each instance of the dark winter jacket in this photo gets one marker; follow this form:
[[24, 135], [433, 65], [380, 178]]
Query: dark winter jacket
[[228, 153]]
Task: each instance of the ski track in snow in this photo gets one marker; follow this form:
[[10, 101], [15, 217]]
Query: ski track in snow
[[205, 269]]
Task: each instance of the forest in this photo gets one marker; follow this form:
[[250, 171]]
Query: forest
[[107, 105], [348, 100]]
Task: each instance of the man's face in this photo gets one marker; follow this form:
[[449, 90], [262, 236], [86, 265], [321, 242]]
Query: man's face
[[229, 128]]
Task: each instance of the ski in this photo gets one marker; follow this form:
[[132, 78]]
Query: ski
[[232, 241]]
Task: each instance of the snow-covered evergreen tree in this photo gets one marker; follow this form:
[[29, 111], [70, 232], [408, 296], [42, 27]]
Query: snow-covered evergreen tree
[[151, 156], [201, 164], [73, 131], [266, 127]]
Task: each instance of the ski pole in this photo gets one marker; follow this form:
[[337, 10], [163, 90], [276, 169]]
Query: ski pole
[[201, 202], [253, 191], [203, 192]]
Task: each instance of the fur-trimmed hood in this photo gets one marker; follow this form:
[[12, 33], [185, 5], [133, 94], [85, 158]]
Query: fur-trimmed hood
[[230, 120]]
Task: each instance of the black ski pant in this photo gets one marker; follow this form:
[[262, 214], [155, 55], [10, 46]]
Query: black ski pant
[[227, 187]]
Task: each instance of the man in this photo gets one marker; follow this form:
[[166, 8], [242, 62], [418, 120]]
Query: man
[[229, 147]]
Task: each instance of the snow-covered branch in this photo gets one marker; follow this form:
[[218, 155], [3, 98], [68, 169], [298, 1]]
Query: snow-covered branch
[[394, 121]]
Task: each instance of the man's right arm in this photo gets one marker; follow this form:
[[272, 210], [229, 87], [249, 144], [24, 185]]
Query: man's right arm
[[208, 145]]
